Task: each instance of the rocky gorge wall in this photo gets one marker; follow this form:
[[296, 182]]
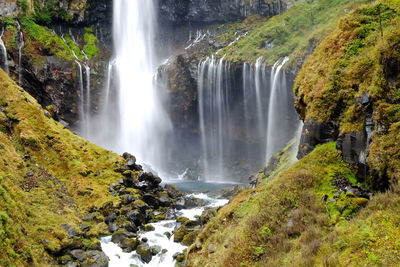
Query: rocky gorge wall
[[209, 11], [44, 63]]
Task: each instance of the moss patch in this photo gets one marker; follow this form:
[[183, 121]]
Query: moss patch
[[47, 178]]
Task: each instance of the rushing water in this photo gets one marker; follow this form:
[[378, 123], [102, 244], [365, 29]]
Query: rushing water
[[118, 258], [84, 95], [277, 109], [4, 58], [261, 115], [20, 43], [142, 122]]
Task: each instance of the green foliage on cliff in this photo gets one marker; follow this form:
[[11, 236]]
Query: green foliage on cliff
[[91, 41], [46, 12], [359, 59], [46, 38], [292, 33], [47, 178]]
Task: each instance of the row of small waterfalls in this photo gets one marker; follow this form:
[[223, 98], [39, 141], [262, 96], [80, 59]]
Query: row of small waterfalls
[[242, 124]]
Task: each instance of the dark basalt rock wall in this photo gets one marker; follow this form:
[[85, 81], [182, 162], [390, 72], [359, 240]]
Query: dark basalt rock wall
[[77, 11], [354, 146], [211, 11]]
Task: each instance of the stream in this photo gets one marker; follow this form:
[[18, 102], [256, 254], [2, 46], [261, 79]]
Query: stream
[[157, 238]]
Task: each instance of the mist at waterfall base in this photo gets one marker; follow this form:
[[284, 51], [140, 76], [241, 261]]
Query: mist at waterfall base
[[133, 117], [245, 112]]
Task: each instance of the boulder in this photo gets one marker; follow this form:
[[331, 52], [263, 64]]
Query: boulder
[[315, 133], [137, 217], [144, 251], [96, 258], [180, 234], [164, 199], [151, 200], [78, 254], [129, 244], [118, 238], [172, 191], [152, 180]]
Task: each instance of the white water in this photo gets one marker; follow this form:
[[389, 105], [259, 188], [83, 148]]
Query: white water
[[213, 91], [87, 105], [136, 122], [20, 43], [118, 258], [84, 93], [3, 53], [276, 107], [262, 114]]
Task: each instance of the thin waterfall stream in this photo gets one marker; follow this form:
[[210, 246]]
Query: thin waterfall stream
[[20, 43], [4, 59]]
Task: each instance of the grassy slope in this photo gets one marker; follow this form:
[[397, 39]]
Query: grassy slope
[[285, 223], [351, 62], [62, 164], [290, 32]]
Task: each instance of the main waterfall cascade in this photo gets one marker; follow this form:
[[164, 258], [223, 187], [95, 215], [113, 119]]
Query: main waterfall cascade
[[240, 131], [133, 118]]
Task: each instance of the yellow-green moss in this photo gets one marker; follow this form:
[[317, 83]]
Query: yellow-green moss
[[349, 64], [63, 164]]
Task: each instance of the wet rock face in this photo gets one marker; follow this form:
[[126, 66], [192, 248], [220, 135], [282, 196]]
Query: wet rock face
[[354, 146], [211, 11], [79, 11], [53, 84], [315, 133]]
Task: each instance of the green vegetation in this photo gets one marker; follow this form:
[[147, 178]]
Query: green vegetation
[[279, 162], [23, 5], [358, 60], [44, 13], [283, 222], [290, 34], [42, 36], [90, 39], [45, 173], [301, 219]]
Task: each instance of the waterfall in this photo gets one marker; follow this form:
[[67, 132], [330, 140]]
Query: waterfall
[[107, 87], [84, 95], [277, 109], [86, 126], [4, 58], [239, 117], [143, 123], [213, 93], [82, 115], [20, 43]]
